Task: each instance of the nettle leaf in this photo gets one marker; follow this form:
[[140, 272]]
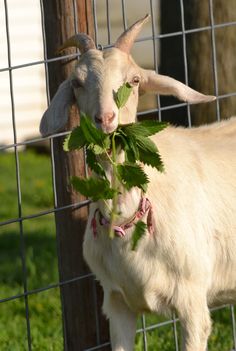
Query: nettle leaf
[[134, 147], [122, 142], [91, 133], [151, 159], [107, 142], [131, 175], [122, 95], [93, 164], [98, 150], [134, 140], [74, 140], [139, 231], [129, 146], [152, 127], [146, 144], [94, 188], [143, 128]]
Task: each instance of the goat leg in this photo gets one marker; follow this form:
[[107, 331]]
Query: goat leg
[[122, 322]]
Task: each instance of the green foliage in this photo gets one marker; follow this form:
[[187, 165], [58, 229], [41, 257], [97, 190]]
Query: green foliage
[[87, 135], [75, 140], [91, 134], [132, 138], [94, 188], [151, 159], [139, 231], [122, 95], [143, 128], [93, 163], [131, 175], [138, 146]]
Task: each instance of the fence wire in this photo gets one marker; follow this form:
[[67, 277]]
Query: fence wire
[[144, 328]]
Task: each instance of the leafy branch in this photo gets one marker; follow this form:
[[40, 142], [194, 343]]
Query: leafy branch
[[138, 148]]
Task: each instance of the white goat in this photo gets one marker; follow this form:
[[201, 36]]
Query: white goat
[[189, 262]]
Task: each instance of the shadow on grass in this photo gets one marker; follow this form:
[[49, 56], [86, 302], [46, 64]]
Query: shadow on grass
[[39, 254]]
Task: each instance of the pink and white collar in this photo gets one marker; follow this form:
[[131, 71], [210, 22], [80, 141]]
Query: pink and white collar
[[145, 207]]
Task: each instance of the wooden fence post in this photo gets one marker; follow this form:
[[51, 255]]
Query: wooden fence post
[[84, 326]]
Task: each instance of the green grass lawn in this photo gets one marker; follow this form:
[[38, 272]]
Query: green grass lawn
[[42, 268], [40, 253]]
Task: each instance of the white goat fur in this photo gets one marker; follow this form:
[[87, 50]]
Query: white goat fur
[[189, 263]]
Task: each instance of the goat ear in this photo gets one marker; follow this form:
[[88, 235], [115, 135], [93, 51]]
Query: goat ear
[[164, 85], [56, 116]]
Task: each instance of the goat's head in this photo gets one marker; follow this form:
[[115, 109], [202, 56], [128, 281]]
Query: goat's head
[[99, 74]]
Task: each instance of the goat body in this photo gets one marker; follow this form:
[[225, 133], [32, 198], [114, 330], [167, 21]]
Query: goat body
[[189, 263]]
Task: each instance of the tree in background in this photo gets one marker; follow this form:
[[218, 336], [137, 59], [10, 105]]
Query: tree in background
[[200, 54]]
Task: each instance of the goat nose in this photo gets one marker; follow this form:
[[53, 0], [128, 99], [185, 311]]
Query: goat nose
[[105, 118]]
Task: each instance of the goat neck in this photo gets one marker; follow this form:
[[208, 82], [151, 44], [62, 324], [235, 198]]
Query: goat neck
[[128, 201]]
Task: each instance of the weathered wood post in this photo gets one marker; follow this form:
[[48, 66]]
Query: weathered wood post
[[84, 325]]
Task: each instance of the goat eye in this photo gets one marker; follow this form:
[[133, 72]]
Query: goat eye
[[76, 83], [135, 80]]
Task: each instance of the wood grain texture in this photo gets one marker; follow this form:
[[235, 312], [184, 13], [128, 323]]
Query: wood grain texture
[[84, 325]]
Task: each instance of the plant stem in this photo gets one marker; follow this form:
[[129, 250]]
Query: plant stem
[[119, 117], [107, 205], [109, 157], [114, 186]]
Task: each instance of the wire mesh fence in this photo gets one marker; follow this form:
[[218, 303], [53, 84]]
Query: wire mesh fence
[[110, 18]]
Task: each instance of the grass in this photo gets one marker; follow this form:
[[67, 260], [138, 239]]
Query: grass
[[42, 268], [163, 338], [40, 252]]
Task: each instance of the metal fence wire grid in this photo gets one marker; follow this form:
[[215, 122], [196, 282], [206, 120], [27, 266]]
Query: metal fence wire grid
[[154, 39]]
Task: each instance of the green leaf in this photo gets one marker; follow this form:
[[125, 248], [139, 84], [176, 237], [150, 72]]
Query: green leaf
[[139, 231], [143, 149], [146, 144], [143, 128], [93, 188], [144, 187], [151, 159], [152, 126], [133, 147], [91, 133], [74, 140], [122, 142], [98, 150], [93, 164], [87, 134], [122, 95], [107, 142], [131, 175]]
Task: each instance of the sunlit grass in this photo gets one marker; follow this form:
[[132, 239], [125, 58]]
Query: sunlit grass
[[41, 264]]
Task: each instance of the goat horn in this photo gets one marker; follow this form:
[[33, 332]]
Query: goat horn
[[81, 41], [126, 40]]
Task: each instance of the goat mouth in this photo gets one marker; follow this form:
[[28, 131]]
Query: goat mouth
[[108, 129]]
